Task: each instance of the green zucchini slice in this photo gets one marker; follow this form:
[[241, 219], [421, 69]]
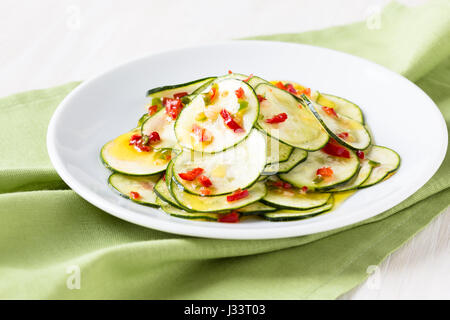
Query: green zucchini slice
[[277, 151], [358, 137], [254, 81], [142, 185], [294, 198], [118, 155], [169, 91], [305, 173], [341, 105], [218, 203], [163, 192], [363, 174], [164, 126], [297, 156], [256, 208], [180, 213], [384, 162], [301, 129], [235, 168], [198, 114], [289, 215]]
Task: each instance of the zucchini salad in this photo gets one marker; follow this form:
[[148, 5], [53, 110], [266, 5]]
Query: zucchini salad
[[223, 148]]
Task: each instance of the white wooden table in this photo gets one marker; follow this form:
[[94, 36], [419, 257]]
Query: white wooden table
[[49, 42]]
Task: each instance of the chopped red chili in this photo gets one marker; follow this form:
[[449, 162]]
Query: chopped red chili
[[173, 107], [134, 195], [307, 91], [239, 93], [290, 88], [204, 181], [280, 85], [152, 110], [201, 133], [191, 175], [282, 184], [154, 137], [324, 172], [277, 118], [360, 154], [304, 189], [237, 195], [231, 217], [249, 77], [261, 98], [329, 111], [230, 122], [230, 72], [343, 135], [205, 191], [334, 149], [180, 95], [136, 140]]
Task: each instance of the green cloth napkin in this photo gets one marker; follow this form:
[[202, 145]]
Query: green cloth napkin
[[46, 228]]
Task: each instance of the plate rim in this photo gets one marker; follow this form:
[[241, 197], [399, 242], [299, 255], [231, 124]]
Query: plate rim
[[225, 231]]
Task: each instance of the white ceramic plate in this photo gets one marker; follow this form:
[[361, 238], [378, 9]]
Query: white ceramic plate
[[400, 115]]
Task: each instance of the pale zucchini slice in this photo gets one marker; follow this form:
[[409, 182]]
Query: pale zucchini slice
[[293, 198], [169, 91], [256, 208], [305, 173], [142, 185], [218, 203], [289, 215], [341, 105], [387, 161], [277, 151], [180, 213], [120, 156], [163, 192], [164, 126], [210, 119], [297, 156], [357, 180], [235, 168], [358, 136], [301, 129]]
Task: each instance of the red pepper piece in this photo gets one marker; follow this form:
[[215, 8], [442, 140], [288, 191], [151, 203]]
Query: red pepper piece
[[134, 195], [261, 98], [135, 138], [237, 195], [290, 88], [229, 121], [334, 149], [304, 189], [281, 184], [230, 72], [360, 154], [231, 217], [152, 110], [180, 95], [280, 85], [249, 77], [191, 175], [277, 118], [204, 181], [324, 172], [239, 93], [343, 135], [307, 92], [329, 111], [201, 133], [154, 137], [173, 107], [205, 191]]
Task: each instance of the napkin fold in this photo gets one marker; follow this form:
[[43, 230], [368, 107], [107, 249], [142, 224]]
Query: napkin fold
[[48, 233]]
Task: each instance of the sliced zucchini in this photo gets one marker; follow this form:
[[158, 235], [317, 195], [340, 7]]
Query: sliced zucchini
[[341, 105], [235, 168], [301, 129], [164, 126], [294, 198], [169, 91], [120, 156], [218, 203], [357, 135], [197, 113], [162, 191], [180, 213], [142, 185], [254, 81], [277, 151], [289, 215], [384, 162], [297, 156], [363, 174], [305, 173], [256, 208]]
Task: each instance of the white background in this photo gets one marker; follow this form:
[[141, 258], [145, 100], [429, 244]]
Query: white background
[[50, 42]]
